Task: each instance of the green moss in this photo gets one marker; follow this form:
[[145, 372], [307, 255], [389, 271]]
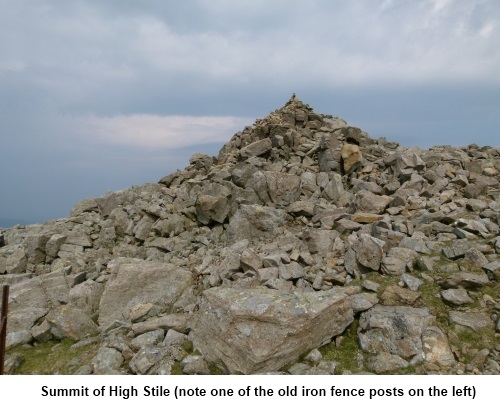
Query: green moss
[[214, 370], [187, 345], [53, 357], [346, 355], [176, 369]]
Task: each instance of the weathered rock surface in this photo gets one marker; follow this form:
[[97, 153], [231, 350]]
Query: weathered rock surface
[[136, 282], [261, 330]]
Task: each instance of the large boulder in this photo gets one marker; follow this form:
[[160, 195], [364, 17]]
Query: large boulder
[[134, 282], [259, 330]]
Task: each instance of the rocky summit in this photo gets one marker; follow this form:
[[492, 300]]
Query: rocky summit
[[304, 247]]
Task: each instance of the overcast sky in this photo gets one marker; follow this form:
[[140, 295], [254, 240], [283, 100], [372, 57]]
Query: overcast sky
[[102, 95]]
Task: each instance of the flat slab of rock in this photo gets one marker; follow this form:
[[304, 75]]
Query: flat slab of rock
[[134, 282], [261, 330], [471, 320], [456, 296], [257, 148]]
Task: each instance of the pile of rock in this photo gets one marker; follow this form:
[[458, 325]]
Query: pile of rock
[[300, 229]]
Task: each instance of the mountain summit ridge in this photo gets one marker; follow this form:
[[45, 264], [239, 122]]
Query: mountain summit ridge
[[304, 244]]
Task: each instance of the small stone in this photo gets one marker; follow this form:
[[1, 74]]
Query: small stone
[[411, 282], [195, 365], [313, 357], [457, 296], [472, 320], [147, 339], [384, 362], [370, 285], [396, 295]]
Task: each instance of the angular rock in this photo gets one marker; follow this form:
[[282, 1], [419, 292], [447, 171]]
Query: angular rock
[[493, 268], [54, 244], [472, 320], [249, 260], [411, 282], [465, 280], [363, 301], [397, 261], [107, 361], [436, 347], [136, 281], [369, 251], [25, 318], [209, 208], [146, 359], [366, 201], [86, 296], [261, 330], [283, 188], [177, 322], [18, 338], [254, 221], [319, 240], [456, 296], [195, 365], [384, 362], [394, 329], [42, 332], [292, 271], [351, 157], [396, 295], [147, 339], [335, 191], [35, 248], [13, 259], [67, 322], [257, 148]]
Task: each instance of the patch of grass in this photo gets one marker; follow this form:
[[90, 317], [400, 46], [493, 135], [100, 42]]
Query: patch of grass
[[478, 339], [53, 357], [176, 369], [383, 280], [346, 355], [214, 370], [431, 299]]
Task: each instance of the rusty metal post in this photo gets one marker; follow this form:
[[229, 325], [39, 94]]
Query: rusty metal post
[[3, 326]]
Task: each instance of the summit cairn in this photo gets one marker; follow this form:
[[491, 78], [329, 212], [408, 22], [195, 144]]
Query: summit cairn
[[304, 247]]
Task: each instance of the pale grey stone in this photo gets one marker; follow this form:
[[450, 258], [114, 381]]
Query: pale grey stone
[[260, 330], [394, 329], [456, 296], [384, 362], [151, 338], [195, 365], [107, 360], [136, 281], [472, 320], [70, 322], [413, 283]]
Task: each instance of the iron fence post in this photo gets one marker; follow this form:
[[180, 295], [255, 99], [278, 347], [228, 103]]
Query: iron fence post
[[3, 326]]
